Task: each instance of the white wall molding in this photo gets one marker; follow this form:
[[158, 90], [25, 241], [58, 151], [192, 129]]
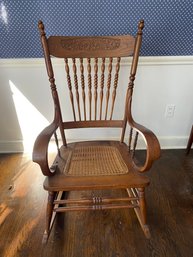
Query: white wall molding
[[143, 60], [15, 146], [165, 142]]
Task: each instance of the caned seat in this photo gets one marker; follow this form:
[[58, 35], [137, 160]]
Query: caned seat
[[78, 169], [95, 161], [92, 67]]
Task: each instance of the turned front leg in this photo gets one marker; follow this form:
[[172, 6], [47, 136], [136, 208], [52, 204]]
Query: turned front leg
[[49, 212], [142, 205]]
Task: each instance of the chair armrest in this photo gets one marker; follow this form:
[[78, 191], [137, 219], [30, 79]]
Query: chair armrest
[[152, 143], [40, 150]]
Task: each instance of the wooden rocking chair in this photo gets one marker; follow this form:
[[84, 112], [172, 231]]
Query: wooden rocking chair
[[94, 165]]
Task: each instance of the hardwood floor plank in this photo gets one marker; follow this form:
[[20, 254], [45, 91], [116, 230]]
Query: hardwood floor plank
[[107, 233]]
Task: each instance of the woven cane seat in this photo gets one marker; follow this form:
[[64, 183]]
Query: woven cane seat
[[95, 161]]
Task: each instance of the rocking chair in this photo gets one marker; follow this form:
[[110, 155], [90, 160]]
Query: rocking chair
[[94, 165]]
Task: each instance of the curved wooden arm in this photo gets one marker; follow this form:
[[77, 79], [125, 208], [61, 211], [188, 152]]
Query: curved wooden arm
[[40, 150], [153, 146]]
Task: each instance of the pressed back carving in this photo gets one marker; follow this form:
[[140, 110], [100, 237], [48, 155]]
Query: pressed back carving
[[91, 47]]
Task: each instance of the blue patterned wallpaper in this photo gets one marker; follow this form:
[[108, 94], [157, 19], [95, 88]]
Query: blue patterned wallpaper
[[168, 23]]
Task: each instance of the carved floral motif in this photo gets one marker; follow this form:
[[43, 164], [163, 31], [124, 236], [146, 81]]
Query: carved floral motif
[[90, 44]]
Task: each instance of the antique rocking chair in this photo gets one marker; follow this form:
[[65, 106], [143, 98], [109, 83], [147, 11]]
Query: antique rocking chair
[[94, 165]]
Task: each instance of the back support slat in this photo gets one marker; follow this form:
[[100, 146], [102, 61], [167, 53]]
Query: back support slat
[[91, 47], [89, 88], [108, 86], [95, 87], [93, 124], [102, 85], [70, 87], [76, 86], [83, 86], [115, 86]]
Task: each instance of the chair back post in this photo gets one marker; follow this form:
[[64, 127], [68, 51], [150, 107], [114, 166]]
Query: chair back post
[[134, 69], [128, 114], [51, 78]]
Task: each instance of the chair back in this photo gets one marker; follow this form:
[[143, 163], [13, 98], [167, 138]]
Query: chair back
[[92, 67]]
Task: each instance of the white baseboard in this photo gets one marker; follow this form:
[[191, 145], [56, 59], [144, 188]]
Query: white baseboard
[[11, 146], [173, 142], [165, 142]]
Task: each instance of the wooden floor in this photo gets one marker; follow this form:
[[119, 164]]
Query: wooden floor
[[112, 233]]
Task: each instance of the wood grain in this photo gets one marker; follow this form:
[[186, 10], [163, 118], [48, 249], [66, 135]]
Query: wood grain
[[89, 88], [76, 86], [108, 85], [70, 87], [93, 124], [61, 176], [115, 86], [116, 232], [95, 87], [102, 86], [83, 86], [91, 47]]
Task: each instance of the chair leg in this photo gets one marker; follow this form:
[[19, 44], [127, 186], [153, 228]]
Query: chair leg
[[142, 217], [141, 210], [49, 213]]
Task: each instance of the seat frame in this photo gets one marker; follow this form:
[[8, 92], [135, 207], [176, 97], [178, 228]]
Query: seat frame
[[57, 195]]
